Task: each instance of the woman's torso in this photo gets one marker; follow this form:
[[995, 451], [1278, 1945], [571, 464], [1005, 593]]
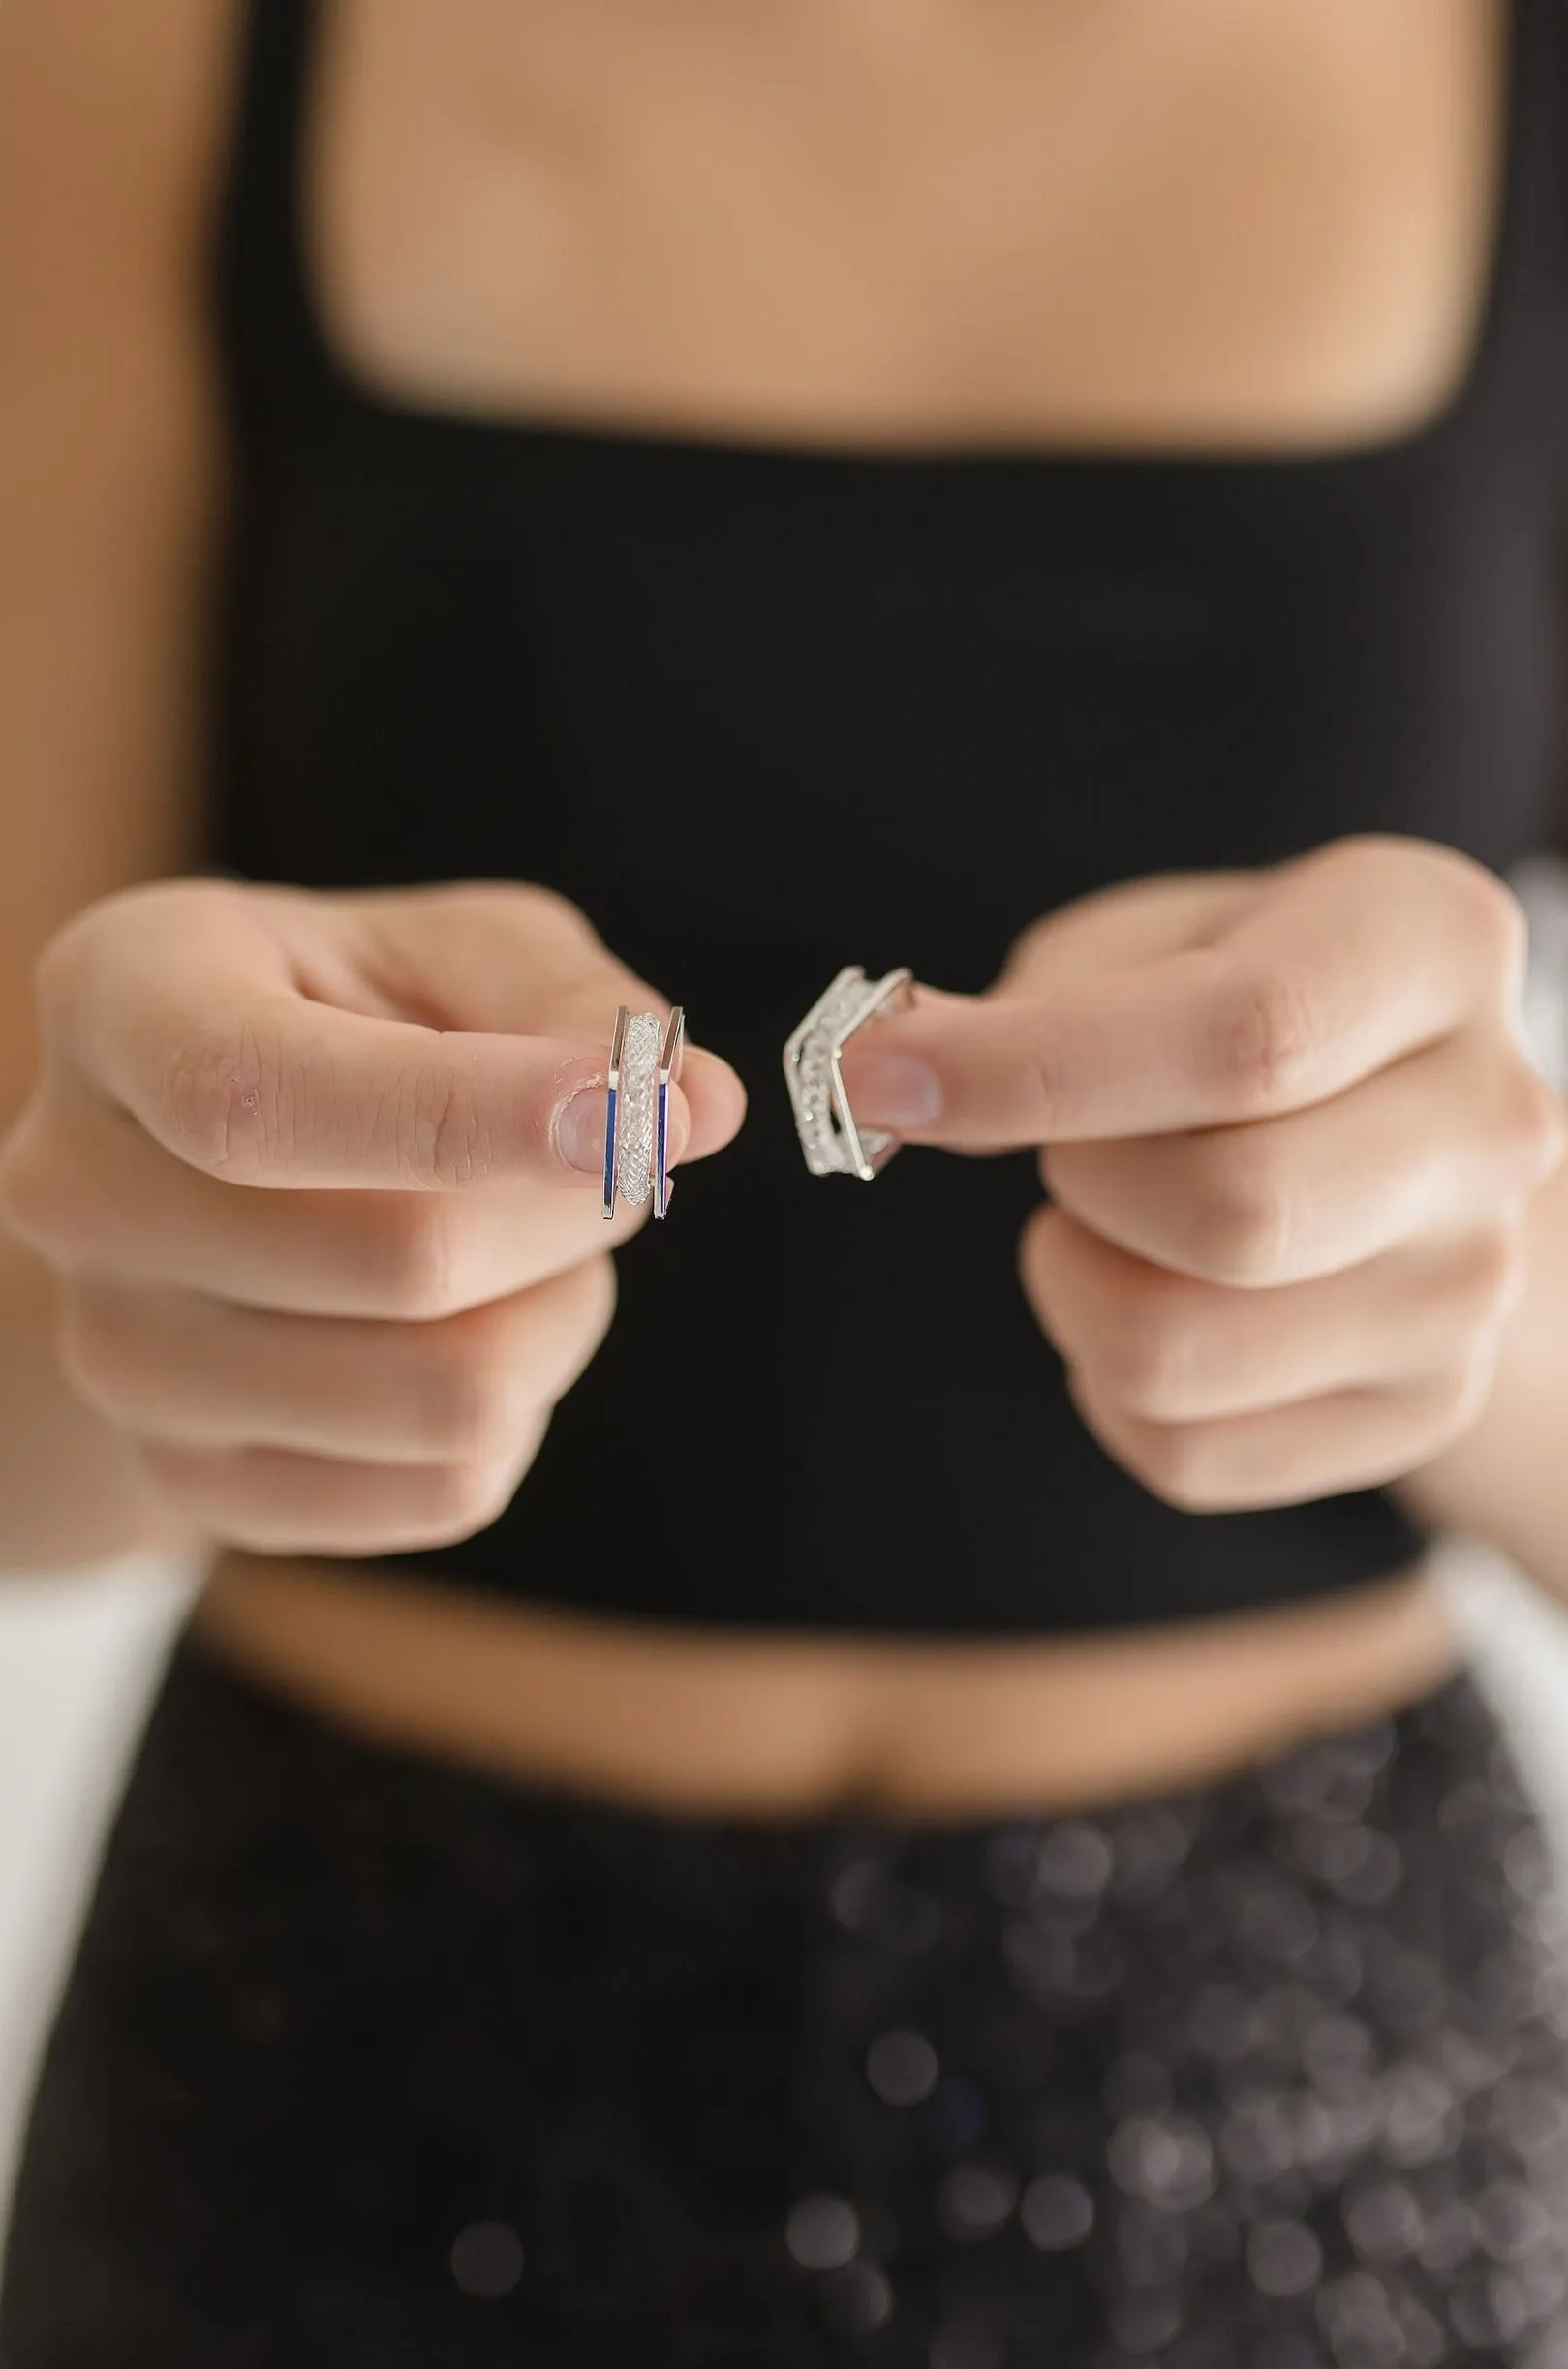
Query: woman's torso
[[662, 417]]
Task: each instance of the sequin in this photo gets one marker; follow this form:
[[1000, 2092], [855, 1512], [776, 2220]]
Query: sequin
[[1447, 2238], [1137, 2084], [1277, 1920], [1286, 2349], [1509, 2221], [857, 2297], [487, 2259], [957, 2113], [1426, 2347], [1283, 2258], [1151, 2244], [1186, 2084], [1418, 2112], [1257, 2138], [1010, 1860], [1526, 1864], [1074, 1860], [1337, 2053], [1143, 2322], [901, 2066], [1529, 2119], [1359, 2319], [1383, 2220], [822, 2232], [976, 2198], [1166, 2158], [967, 2344], [1056, 2211], [871, 1900]]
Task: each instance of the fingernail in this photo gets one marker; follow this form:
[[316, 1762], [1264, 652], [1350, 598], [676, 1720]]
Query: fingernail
[[579, 1131], [895, 1089]]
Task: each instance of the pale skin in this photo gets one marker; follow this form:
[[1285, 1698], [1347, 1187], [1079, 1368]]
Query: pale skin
[[301, 1264]]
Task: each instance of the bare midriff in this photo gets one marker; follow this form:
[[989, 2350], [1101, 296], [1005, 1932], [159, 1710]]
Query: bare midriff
[[785, 1723]]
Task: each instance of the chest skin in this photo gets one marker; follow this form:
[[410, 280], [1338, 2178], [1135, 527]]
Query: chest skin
[[1093, 223]]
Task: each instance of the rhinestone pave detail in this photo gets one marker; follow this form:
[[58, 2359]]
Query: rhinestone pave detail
[[829, 1138], [639, 1085]]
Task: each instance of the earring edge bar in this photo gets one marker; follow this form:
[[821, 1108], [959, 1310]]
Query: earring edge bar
[[670, 1065], [612, 1111]]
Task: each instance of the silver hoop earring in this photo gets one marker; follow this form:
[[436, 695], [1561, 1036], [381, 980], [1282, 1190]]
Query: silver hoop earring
[[645, 1061], [833, 1143]]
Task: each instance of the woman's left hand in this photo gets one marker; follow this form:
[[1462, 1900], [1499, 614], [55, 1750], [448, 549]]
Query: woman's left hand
[[1290, 1142]]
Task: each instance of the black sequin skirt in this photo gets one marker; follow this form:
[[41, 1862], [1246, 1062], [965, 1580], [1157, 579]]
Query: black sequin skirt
[[367, 2064]]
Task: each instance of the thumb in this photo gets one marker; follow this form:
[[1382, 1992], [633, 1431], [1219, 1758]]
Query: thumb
[[414, 1039], [513, 958], [957, 1070]]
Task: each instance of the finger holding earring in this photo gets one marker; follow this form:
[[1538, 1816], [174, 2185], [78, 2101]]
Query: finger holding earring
[[645, 1064], [831, 1138]]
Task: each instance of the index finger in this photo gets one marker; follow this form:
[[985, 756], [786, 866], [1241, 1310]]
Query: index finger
[[227, 1064], [1338, 970]]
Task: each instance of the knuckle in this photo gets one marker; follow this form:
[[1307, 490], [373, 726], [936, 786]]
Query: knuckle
[[407, 1243], [590, 1294], [1151, 1355], [179, 1472], [447, 1142], [1029, 945], [507, 902], [1267, 1038], [93, 1345], [467, 1387], [64, 964], [1036, 1243], [1480, 915], [1178, 1463], [1052, 1281], [467, 1496], [207, 1487], [1042, 1085], [1455, 1403], [1243, 1223], [1490, 1273], [215, 1090], [1491, 917], [33, 1204], [1512, 1277], [593, 1285], [1535, 1123]]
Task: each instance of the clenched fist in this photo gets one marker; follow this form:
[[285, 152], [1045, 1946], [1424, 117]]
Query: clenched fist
[[1289, 1140], [321, 1178]]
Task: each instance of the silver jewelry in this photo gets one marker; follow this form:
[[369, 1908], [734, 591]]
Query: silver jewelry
[[645, 1061], [831, 1140]]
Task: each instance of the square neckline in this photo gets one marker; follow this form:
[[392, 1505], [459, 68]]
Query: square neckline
[[350, 387]]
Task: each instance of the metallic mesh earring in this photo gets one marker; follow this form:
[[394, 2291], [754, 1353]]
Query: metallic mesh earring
[[645, 1061], [833, 1143]]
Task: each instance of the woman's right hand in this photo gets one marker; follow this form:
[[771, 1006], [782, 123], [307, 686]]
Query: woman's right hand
[[319, 1175]]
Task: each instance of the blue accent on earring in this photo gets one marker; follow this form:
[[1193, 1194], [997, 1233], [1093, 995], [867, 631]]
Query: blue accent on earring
[[609, 1152]]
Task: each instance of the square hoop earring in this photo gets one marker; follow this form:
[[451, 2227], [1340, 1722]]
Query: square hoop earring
[[645, 1061], [833, 1143]]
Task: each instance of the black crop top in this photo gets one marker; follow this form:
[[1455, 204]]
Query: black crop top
[[891, 709]]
